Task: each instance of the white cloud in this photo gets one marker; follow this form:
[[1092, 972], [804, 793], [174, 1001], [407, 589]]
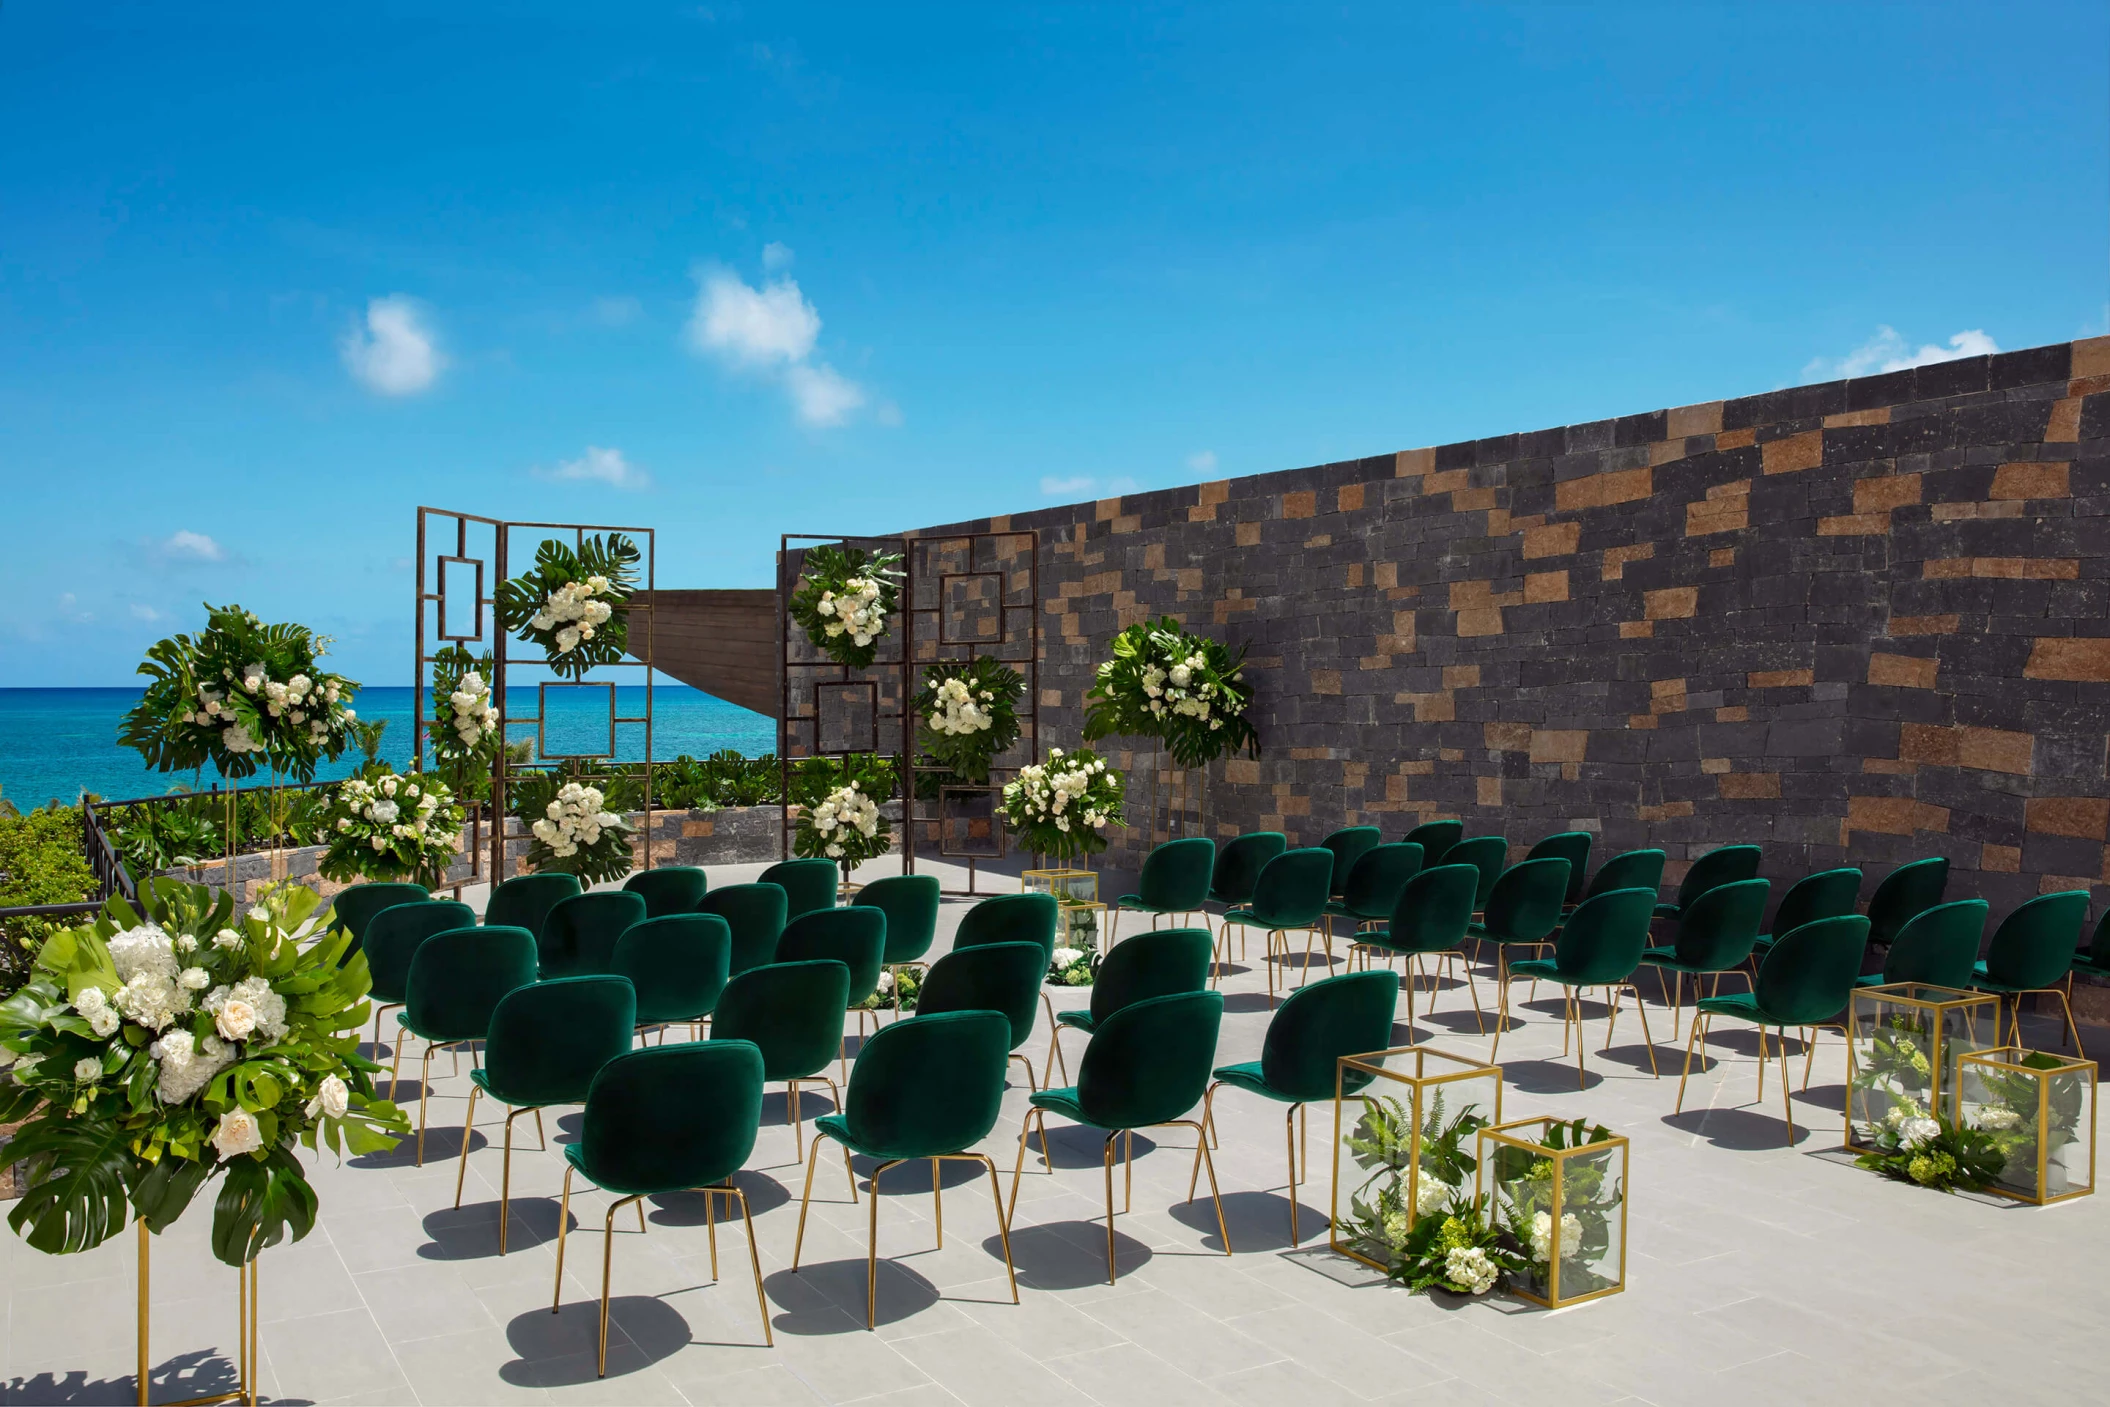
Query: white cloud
[[1083, 486], [776, 256], [599, 465], [70, 610], [397, 353], [617, 312], [771, 331], [142, 611], [1203, 462], [823, 395], [1887, 351], [196, 547]]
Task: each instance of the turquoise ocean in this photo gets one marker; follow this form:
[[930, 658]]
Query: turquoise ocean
[[57, 743]]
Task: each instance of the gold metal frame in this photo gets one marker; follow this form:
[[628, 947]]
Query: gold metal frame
[[1943, 1001], [246, 1352], [2008, 1061], [1503, 1133], [1128, 1175], [1373, 1063], [505, 1179]]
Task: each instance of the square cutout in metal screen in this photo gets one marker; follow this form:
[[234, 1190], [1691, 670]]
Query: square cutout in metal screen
[[971, 608], [970, 824], [846, 717], [461, 598], [578, 720]]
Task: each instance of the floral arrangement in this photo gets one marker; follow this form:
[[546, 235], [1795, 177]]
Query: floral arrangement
[[844, 599], [382, 826], [1073, 967], [463, 733], [574, 603], [845, 826], [2007, 1112], [1589, 1197], [1936, 1153], [1059, 807], [1419, 1219], [573, 828], [897, 991], [241, 695], [969, 714], [157, 1048], [1184, 689]]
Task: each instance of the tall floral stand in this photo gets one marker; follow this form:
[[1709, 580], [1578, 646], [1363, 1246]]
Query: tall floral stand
[[246, 1354]]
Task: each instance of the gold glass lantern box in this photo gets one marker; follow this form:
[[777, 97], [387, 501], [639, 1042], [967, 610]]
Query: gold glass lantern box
[[1077, 896], [1902, 1044], [2039, 1109], [1559, 1189], [1403, 1126]]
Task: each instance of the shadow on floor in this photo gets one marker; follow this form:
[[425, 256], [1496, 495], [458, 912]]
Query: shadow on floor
[[1051, 1255], [1748, 1130], [548, 1344], [1258, 1221], [204, 1373]]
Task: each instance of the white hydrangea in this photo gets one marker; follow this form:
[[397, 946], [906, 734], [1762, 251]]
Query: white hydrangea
[[474, 715], [575, 819], [1431, 1194], [145, 959], [93, 1004], [1542, 1235], [573, 611], [960, 709], [1916, 1131], [854, 611], [184, 1066], [1470, 1266], [1997, 1119]]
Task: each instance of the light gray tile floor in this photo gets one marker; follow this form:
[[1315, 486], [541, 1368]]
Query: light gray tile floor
[[1757, 1272]]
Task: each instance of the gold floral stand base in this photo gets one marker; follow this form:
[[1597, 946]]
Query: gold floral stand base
[[246, 1349]]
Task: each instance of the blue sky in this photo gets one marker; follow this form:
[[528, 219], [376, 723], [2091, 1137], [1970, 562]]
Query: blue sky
[[270, 277]]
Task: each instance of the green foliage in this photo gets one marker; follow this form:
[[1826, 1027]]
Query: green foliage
[[1074, 967], [384, 827], [1061, 807], [543, 605], [463, 731], [1523, 1206], [548, 802], [42, 861], [1185, 690], [897, 991], [845, 598], [1946, 1157], [968, 714], [1413, 1220], [189, 827], [845, 824]]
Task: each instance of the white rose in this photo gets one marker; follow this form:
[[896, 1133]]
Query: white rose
[[197, 979], [227, 938], [237, 1133], [331, 1100], [237, 1018], [87, 1070]]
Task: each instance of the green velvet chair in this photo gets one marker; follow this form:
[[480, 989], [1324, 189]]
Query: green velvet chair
[[999, 977], [1238, 867], [1160, 963], [929, 1088], [2031, 952], [1289, 895], [1489, 854], [1574, 847], [853, 936], [1430, 920], [393, 937], [1175, 880], [456, 980], [678, 966], [669, 889], [1348, 845], [677, 1118], [1147, 1067], [911, 903], [792, 1012], [1715, 935], [1804, 981], [1373, 887], [1522, 910], [1600, 946], [1937, 947], [1436, 839], [808, 884], [547, 1041], [1632, 869], [2095, 958], [1903, 894], [524, 901], [1825, 894], [756, 915], [1016, 918], [578, 938], [355, 907], [1346, 1015], [1726, 864]]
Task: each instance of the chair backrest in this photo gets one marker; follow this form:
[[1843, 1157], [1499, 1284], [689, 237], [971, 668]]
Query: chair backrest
[[669, 889], [1726, 864], [1635, 869], [1323, 1021], [1001, 977], [854, 937], [678, 965], [1436, 838], [1719, 929], [1150, 1062], [1603, 939], [549, 1039], [1158, 962], [755, 913], [1291, 890], [1435, 908], [1176, 874], [1825, 894], [1239, 863], [1010, 918], [672, 1117], [2033, 947], [1488, 854], [355, 907], [1902, 894], [1349, 845], [1937, 946], [578, 937], [930, 1085], [394, 935], [457, 977], [1809, 972], [1525, 903], [2099, 946], [792, 1011], [808, 884], [910, 902], [524, 901], [1572, 846], [1375, 883]]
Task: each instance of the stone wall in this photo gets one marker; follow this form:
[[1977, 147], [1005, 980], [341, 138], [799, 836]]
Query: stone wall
[[1858, 623]]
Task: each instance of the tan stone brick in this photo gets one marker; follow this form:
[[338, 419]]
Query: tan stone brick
[[691, 830], [1604, 489], [1957, 512], [1326, 681], [1472, 500], [1242, 771], [1248, 534], [1488, 790], [1616, 558], [1636, 629], [1714, 766], [1552, 540], [1902, 671], [1188, 578], [1671, 603], [2091, 357], [1995, 750], [1545, 586], [1154, 557], [2086, 817], [1928, 742], [1666, 451], [1385, 575], [1669, 810], [2000, 859], [1300, 505], [1893, 815], [1461, 676], [1105, 510], [2065, 426], [1485, 620], [1349, 499], [1795, 453], [2030, 480], [1779, 679], [1641, 720], [1888, 766], [2084, 658], [1410, 463], [1507, 737], [1924, 625], [1102, 583], [1735, 713], [1216, 491], [1719, 512], [1664, 688], [1750, 786], [1702, 419], [1736, 439], [1722, 557], [1880, 495], [2004, 568], [1559, 744], [1878, 416], [1854, 525], [1354, 576], [1432, 708], [1051, 698], [1128, 523]]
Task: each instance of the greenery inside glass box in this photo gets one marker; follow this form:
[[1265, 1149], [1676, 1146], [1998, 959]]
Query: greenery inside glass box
[[1558, 1194]]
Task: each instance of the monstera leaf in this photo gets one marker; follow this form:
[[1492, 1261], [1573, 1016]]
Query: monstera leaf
[[258, 1202], [84, 1201]]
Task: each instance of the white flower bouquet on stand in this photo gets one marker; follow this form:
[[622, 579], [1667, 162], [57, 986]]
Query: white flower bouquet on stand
[[386, 827], [575, 829], [463, 730], [574, 604], [845, 826], [969, 714], [844, 600], [1061, 807], [1186, 690]]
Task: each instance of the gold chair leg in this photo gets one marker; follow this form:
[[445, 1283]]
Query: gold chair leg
[[1763, 1057], [395, 1065], [1786, 1108], [539, 1134], [563, 1223], [792, 1112], [1201, 1140], [1574, 1010], [424, 1088], [505, 1176], [754, 1260], [1106, 1159], [1128, 1171], [1692, 1034], [937, 1199], [1019, 1169], [462, 1171], [872, 1251], [607, 1264], [798, 1243], [1655, 1069], [1003, 1227], [1208, 1121], [1060, 1062], [1289, 1134]]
